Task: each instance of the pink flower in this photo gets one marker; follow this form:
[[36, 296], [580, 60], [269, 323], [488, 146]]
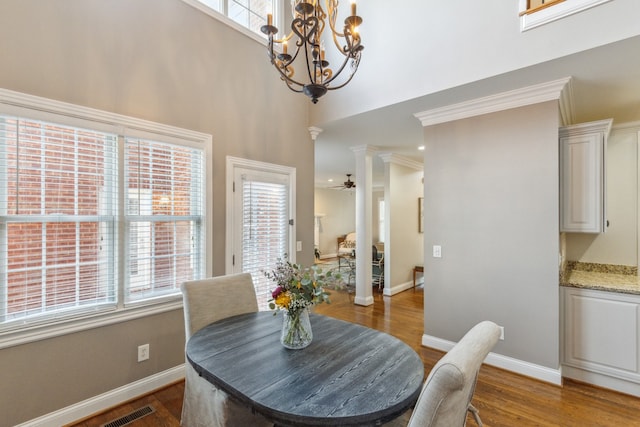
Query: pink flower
[[277, 291]]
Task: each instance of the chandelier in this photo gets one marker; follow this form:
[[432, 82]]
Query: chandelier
[[307, 50]]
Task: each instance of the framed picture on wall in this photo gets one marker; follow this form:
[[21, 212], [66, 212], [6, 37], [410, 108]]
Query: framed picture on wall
[[420, 214]]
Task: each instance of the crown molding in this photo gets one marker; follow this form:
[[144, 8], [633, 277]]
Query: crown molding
[[364, 149], [400, 160], [560, 90]]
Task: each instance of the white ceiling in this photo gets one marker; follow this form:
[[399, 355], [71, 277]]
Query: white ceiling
[[605, 83]]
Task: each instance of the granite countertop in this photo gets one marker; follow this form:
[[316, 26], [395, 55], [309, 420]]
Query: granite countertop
[[602, 277]]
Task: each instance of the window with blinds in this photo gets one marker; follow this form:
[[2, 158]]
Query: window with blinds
[[164, 217], [86, 228], [265, 230], [57, 218]]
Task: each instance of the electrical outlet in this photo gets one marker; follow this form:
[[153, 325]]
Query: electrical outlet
[[501, 333], [143, 352]]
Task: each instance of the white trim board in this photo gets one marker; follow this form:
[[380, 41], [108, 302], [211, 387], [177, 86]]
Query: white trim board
[[560, 90], [542, 373], [107, 400], [398, 288], [601, 380], [554, 12]]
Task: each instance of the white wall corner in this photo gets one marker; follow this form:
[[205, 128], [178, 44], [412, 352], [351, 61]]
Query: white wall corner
[[559, 90]]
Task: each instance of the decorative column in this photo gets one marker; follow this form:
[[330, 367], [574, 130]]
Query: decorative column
[[364, 235]]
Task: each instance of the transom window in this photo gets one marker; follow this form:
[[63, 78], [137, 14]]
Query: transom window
[[250, 14]]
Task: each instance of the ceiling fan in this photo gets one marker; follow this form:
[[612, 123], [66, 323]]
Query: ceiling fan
[[347, 184]]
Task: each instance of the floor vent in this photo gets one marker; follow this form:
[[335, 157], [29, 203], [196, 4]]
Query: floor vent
[[131, 417]]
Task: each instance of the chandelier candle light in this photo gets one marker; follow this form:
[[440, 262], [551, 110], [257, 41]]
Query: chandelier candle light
[[307, 46]]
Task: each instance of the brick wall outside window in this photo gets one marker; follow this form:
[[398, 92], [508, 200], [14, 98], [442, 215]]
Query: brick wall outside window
[[59, 217]]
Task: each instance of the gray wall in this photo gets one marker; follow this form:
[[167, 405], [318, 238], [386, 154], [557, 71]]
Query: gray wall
[[164, 61], [491, 202]]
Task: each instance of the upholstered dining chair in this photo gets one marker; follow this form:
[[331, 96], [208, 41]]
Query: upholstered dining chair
[[206, 301], [446, 395]]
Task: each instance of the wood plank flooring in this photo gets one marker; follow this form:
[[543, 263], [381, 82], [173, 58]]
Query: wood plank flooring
[[503, 398]]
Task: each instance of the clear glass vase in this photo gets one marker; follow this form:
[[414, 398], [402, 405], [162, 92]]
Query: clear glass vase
[[296, 329]]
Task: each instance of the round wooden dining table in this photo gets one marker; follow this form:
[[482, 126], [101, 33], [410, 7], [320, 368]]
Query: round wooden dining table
[[349, 375]]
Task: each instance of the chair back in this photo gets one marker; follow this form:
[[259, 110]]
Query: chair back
[[447, 393], [215, 298]]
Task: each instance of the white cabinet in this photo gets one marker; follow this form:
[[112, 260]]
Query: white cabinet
[[583, 149], [601, 338]]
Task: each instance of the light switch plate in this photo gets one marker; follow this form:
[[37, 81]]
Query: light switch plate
[[437, 251]]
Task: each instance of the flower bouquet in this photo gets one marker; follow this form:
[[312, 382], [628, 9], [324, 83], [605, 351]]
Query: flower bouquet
[[297, 289]]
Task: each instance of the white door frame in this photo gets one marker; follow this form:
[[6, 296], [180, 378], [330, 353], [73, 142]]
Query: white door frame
[[236, 162]]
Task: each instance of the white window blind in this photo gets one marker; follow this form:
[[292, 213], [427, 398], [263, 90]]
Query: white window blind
[[164, 217], [57, 219], [265, 233], [97, 210]]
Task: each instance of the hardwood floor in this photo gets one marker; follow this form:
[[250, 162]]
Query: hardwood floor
[[503, 398]]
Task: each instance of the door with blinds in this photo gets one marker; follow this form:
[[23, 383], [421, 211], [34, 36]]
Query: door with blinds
[[263, 223]]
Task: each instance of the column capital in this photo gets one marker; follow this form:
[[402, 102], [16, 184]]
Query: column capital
[[364, 149], [314, 131]]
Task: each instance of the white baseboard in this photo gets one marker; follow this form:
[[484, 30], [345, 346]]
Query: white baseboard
[[107, 400], [542, 373], [601, 380], [397, 288]]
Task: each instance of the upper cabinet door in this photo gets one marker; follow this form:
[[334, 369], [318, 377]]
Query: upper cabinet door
[[583, 149]]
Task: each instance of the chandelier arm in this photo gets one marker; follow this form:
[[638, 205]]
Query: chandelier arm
[[308, 26], [336, 74], [343, 83], [352, 43], [284, 39], [307, 43], [333, 16], [288, 80], [292, 88], [276, 63]]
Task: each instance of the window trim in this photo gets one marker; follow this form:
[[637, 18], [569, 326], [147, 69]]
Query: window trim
[[36, 107], [235, 25], [553, 12]]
